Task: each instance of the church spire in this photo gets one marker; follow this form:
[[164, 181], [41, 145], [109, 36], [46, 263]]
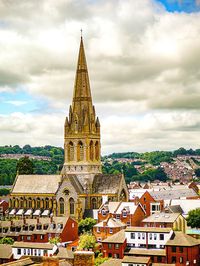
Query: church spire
[[82, 129], [82, 92]]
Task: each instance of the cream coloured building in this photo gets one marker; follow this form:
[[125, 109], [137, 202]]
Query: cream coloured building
[[81, 186]]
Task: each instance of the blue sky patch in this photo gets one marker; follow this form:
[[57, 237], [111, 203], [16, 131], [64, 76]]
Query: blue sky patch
[[20, 101], [188, 6]]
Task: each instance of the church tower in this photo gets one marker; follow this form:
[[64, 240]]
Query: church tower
[[82, 127]]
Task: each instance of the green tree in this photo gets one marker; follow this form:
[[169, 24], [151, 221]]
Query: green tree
[[86, 225], [99, 260], [193, 218], [25, 166], [7, 240], [87, 241]]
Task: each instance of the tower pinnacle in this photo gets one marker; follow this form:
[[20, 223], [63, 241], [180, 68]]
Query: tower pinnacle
[[82, 128]]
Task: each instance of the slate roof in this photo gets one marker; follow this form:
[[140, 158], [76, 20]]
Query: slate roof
[[182, 240], [111, 262], [129, 206], [161, 217], [111, 222], [21, 262], [175, 209], [5, 251], [173, 194], [186, 204], [148, 229], [36, 184], [119, 237], [64, 253], [75, 183], [22, 244], [106, 184], [133, 259], [147, 252]]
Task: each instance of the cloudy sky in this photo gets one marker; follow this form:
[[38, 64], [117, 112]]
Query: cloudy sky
[[144, 65]]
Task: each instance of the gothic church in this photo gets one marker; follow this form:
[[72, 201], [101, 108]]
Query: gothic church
[[81, 186]]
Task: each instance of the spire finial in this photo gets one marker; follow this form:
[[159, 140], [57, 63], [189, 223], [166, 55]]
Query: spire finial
[[81, 33]]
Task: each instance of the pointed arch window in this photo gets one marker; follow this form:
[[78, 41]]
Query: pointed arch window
[[21, 203], [38, 203], [47, 203], [94, 203], [70, 151], [62, 206], [29, 203], [80, 151], [71, 206], [97, 151], [91, 150]]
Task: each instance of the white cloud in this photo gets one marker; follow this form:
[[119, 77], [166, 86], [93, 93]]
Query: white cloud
[[144, 67]]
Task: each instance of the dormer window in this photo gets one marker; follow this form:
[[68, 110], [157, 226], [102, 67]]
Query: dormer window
[[39, 227], [60, 226], [103, 212], [124, 213], [45, 227]]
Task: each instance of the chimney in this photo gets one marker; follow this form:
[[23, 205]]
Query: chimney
[[83, 258]]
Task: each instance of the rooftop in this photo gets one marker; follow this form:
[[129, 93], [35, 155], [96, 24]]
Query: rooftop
[[133, 259], [147, 252], [111, 222], [119, 237], [148, 229], [162, 218], [183, 240]]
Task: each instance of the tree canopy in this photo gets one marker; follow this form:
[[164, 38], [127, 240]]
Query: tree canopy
[[25, 166], [6, 240], [193, 218], [86, 225], [87, 241]]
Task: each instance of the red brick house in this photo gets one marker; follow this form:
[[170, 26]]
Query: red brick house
[[128, 213], [40, 230], [114, 246], [107, 228], [183, 250], [150, 204]]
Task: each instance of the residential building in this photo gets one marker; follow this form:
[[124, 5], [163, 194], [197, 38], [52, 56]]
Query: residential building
[[129, 213], [20, 249], [114, 246], [5, 253], [40, 230], [150, 204], [171, 220], [107, 228], [136, 261], [147, 237], [182, 249]]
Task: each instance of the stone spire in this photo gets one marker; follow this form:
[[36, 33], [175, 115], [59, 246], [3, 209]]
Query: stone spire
[[82, 128]]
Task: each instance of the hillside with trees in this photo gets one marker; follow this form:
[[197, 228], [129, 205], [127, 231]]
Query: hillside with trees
[[49, 159]]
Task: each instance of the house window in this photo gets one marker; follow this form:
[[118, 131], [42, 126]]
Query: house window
[[143, 235], [18, 251], [118, 216], [181, 249], [155, 236], [150, 236], [132, 235], [24, 251], [42, 237], [173, 249], [144, 206], [110, 246], [124, 213], [98, 229], [110, 255], [139, 236], [104, 212], [28, 237], [128, 223], [116, 246], [173, 259], [181, 259], [116, 256], [111, 230], [159, 259], [161, 236], [45, 252], [35, 252]]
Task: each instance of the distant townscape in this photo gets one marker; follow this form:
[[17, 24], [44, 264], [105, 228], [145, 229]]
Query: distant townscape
[[72, 207]]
